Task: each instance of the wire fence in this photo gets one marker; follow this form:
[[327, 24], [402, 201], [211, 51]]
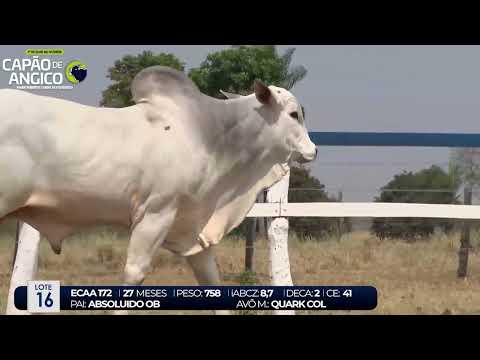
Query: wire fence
[[380, 163], [382, 190]]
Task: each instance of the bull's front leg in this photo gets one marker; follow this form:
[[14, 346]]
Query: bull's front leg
[[205, 270], [145, 241]]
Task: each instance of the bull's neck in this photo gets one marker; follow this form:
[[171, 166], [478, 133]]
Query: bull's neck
[[242, 141]]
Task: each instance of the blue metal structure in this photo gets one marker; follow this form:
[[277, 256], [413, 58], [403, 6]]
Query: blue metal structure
[[395, 139]]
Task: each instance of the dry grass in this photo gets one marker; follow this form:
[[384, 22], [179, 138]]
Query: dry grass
[[417, 278]]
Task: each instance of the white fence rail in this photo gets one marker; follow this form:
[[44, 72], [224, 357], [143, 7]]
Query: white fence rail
[[366, 210]]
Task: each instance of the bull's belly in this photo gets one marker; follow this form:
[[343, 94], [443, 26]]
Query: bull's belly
[[57, 217]]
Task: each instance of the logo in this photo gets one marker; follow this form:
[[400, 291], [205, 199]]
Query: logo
[[76, 72], [43, 69]]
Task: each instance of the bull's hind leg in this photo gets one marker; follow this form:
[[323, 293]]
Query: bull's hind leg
[[146, 240], [205, 269], [16, 178]]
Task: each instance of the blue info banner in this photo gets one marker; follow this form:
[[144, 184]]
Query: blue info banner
[[41, 296]]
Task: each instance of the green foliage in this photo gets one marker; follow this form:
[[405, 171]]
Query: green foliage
[[235, 69], [291, 75], [433, 178], [300, 178], [122, 73]]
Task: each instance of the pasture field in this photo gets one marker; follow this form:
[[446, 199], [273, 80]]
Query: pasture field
[[411, 278]]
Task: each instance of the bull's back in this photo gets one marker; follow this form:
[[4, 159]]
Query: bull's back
[[66, 153], [52, 128], [16, 108], [24, 115]]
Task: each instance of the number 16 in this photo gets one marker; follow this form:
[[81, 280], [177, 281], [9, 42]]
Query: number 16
[[48, 300]]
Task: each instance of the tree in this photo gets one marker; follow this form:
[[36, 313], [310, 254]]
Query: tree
[[122, 73], [235, 69], [300, 178], [439, 188], [291, 74]]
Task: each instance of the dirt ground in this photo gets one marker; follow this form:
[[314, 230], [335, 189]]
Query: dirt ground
[[418, 278]]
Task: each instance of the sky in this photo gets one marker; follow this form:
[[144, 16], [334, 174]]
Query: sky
[[347, 88]]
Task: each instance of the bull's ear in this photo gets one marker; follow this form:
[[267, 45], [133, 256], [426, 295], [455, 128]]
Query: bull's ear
[[262, 92], [230, 95]]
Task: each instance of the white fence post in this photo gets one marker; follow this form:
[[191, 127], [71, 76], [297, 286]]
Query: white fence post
[[25, 266], [278, 237]]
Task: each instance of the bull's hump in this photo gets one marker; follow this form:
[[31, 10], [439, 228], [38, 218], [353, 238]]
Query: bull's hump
[[162, 81]]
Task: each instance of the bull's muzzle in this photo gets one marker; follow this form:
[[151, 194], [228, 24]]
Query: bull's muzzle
[[302, 159]]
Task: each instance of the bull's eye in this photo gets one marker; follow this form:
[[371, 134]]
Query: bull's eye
[[294, 115]]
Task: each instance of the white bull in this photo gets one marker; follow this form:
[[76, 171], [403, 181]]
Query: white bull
[[179, 168]]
